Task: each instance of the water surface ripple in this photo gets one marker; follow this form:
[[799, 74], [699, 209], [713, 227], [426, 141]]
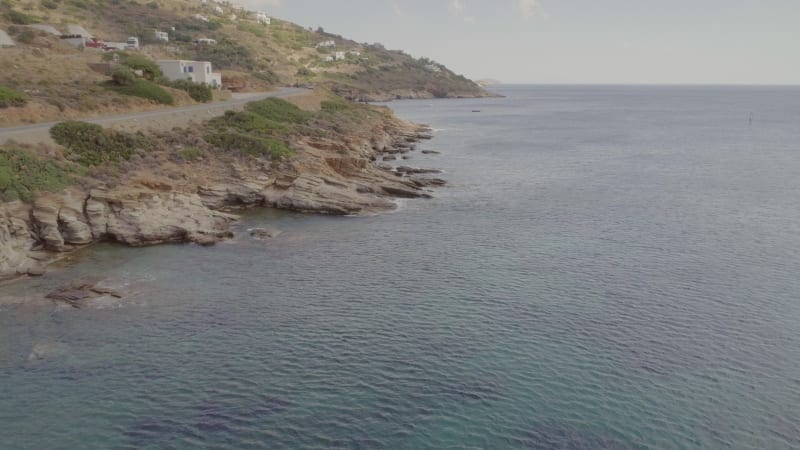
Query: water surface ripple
[[612, 267]]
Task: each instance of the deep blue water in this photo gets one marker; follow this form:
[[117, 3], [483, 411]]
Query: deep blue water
[[611, 267]]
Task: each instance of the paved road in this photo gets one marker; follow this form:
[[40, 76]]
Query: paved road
[[161, 118]]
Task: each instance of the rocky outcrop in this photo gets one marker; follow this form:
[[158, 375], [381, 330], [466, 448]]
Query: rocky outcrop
[[324, 177]]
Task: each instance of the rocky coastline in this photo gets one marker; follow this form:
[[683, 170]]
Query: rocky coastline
[[325, 176]]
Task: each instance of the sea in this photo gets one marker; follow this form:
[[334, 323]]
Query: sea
[[610, 267]]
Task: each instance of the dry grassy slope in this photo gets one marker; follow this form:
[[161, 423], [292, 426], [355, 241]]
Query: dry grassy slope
[[251, 54]]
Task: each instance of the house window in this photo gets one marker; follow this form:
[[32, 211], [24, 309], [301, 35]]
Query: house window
[[191, 69], [208, 69]]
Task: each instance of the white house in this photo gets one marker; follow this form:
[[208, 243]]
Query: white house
[[326, 44], [218, 10], [339, 56], [354, 53], [433, 68], [196, 71], [327, 58], [205, 41], [132, 43], [263, 18], [200, 17], [161, 35]]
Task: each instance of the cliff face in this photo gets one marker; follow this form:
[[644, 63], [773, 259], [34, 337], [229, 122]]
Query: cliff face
[[325, 176]]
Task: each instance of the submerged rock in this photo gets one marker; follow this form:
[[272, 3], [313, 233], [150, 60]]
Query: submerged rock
[[264, 233], [416, 170], [76, 292]]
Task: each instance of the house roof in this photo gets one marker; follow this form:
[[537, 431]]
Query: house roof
[[180, 61]]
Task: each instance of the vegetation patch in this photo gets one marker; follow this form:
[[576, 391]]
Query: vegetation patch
[[149, 68], [199, 92], [19, 18], [246, 144], [227, 54], [92, 145], [23, 174], [279, 110], [10, 97], [246, 121], [144, 89]]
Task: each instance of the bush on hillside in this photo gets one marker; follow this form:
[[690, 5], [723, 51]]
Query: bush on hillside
[[92, 145], [279, 110], [144, 89], [226, 54], [149, 68], [123, 76], [10, 97], [19, 18], [198, 92], [246, 121], [22, 175], [245, 144]]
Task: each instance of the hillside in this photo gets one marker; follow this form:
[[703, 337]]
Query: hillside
[[250, 54]]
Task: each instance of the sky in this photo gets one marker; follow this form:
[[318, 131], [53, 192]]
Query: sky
[[575, 41]]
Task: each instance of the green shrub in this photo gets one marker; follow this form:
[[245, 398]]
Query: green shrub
[[198, 92], [191, 154], [19, 18], [279, 110], [337, 105], [148, 67], [22, 175], [226, 54], [92, 145], [246, 144], [144, 89], [11, 97], [123, 76], [246, 121]]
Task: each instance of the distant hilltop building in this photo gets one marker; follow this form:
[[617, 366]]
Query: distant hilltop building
[[205, 41], [433, 67], [161, 36], [338, 56], [326, 44], [263, 18]]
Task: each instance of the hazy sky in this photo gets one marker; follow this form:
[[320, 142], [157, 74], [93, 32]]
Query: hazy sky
[[575, 41]]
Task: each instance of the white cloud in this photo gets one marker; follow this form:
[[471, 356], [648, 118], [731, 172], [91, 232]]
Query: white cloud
[[528, 9]]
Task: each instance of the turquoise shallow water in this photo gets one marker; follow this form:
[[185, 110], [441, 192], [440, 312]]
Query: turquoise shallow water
[[611, 267]]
